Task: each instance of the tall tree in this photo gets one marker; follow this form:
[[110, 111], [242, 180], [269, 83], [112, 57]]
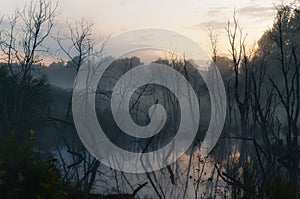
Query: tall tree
[[285, 29], [21, 45]]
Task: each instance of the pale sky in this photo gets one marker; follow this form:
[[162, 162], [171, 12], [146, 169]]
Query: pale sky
[[185, 16]]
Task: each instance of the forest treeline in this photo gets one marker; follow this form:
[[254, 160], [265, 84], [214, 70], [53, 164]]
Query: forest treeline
[[257, 155]]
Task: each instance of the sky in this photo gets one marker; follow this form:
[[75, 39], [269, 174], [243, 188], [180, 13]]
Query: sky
[[189, 17]]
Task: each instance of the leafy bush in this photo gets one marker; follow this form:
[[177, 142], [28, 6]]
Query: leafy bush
[[25, 173]]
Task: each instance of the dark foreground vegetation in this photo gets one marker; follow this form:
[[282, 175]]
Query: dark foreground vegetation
[[257, 155]]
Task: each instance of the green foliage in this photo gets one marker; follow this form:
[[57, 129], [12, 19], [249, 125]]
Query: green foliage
[[22, 102], [25, 173]]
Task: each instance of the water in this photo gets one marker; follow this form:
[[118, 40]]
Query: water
[[190, 176]]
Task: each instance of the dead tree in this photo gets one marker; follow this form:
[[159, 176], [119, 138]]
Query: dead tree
[[213, 40], [22, 50], [240, 61], [77, 46], [288, 90]]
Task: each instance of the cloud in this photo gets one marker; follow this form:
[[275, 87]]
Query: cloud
[[256, 10], [257, 14], [213, 12], [217, 11], [214, 24]]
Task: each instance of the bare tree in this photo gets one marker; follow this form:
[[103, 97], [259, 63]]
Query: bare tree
[[213, 36], [77, 46], [288, 91], [22, 48], [240, 61]]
